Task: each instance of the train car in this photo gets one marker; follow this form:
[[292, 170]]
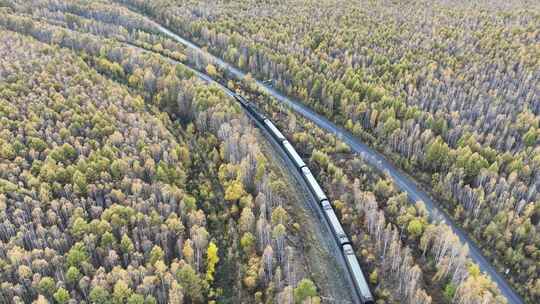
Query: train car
[[337, 229], [244, 101], [294, 156], [253, 110], [250, 108], [275, 131], [241, 99], [358, 277], [312, 182]]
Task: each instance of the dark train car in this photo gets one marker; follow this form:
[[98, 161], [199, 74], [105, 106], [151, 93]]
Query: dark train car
[[240, 99], [253, 110]]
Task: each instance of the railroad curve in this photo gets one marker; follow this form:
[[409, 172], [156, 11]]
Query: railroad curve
[[376, 159], [312, 202]]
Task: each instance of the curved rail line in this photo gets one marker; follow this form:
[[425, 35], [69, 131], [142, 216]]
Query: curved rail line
[[343, 252], [376, 159]]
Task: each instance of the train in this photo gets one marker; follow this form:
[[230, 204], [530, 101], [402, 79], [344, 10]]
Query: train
[[353, 266]]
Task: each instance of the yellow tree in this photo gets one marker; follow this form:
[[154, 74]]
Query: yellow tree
[[212, 259], [234, 191], [211, 70]]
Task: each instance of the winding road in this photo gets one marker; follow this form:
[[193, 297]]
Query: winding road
[[376, 159]]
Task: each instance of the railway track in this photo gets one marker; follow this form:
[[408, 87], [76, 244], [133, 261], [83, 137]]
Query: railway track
[[317, 200]]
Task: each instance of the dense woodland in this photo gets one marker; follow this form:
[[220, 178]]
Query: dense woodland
[[124, 179], [450, 90], [406, 257]]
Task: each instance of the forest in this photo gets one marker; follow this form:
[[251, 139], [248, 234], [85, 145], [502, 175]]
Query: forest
[[409, 258], [447, 90], [125, 179]]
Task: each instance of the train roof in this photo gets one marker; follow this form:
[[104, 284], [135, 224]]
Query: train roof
[[292, 152]]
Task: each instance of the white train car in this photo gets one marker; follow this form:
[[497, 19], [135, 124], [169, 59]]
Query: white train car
[[314, 185], [275, 131], [293, 155], [337, 229], [358, 276]]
